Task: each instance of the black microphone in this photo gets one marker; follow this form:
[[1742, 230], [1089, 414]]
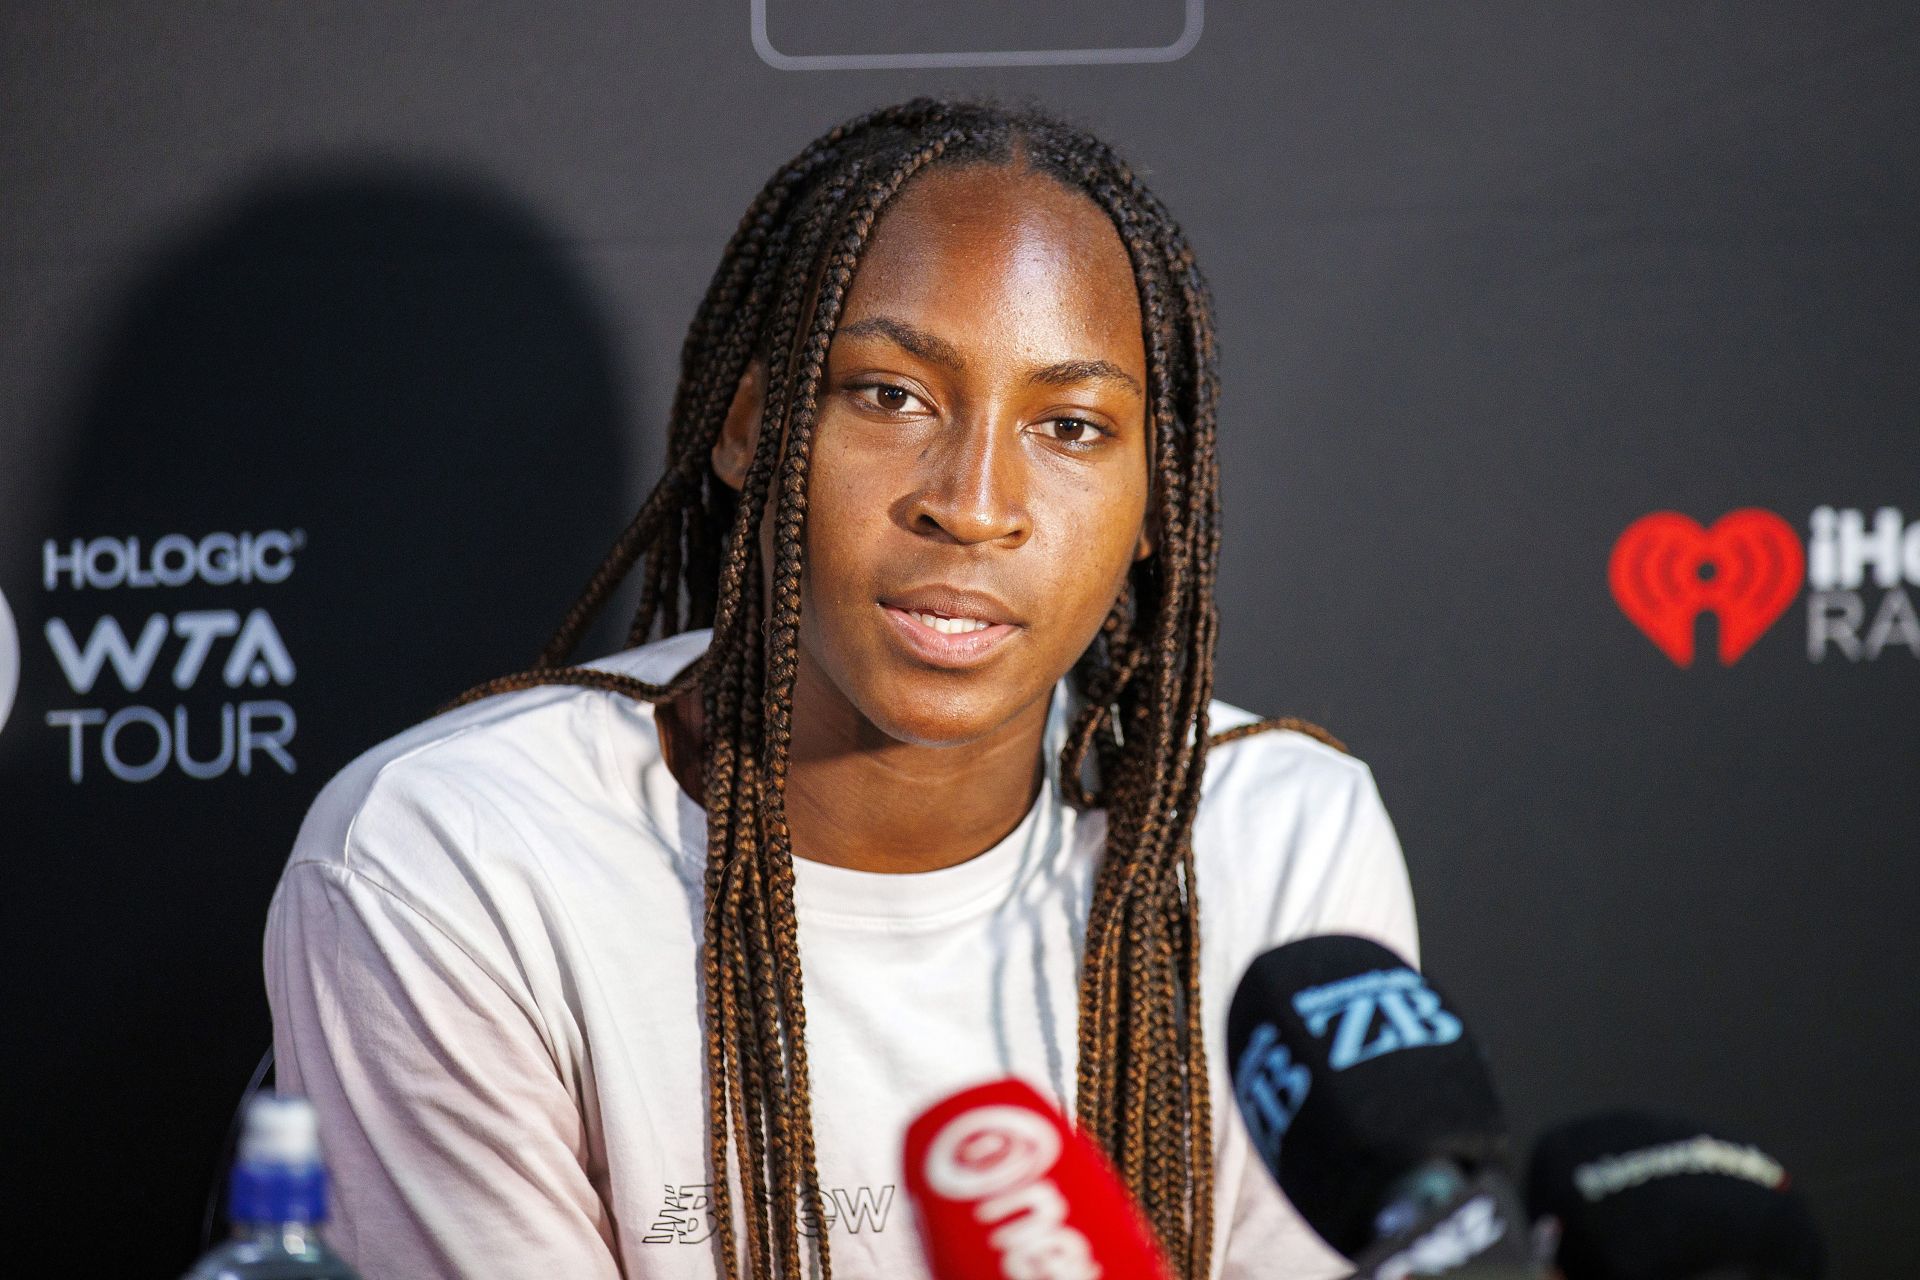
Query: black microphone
[[1648, 1197], [1372, 1107]]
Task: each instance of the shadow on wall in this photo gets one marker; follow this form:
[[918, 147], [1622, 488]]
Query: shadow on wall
[[396, 382], [404, 366]]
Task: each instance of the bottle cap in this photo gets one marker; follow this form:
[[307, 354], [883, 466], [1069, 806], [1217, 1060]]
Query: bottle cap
[[277, 1172], [280, 1130]]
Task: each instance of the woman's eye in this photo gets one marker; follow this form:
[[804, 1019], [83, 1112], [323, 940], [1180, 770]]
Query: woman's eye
[[887, 397], [1071, 430]]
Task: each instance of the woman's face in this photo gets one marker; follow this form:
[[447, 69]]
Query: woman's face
[[979, 478]]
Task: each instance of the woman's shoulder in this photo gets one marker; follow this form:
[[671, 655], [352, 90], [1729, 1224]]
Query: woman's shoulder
[[487, 778], [1275, 766], [1292, 835]]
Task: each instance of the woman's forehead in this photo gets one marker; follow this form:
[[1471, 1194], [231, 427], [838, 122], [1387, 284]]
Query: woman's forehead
[[991, 248]]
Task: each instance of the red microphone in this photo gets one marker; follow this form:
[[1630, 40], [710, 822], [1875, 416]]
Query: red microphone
[[1006, 1189]]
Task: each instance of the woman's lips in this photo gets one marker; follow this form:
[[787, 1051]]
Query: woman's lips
[[949, 648]]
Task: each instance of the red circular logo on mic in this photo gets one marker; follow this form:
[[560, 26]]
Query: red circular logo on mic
[[989, 1150], [1666, 569]]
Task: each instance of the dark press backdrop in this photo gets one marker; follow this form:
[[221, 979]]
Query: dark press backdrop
[[337, 345]]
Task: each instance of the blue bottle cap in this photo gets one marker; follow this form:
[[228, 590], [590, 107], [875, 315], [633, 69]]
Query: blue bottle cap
[[278, 1175]]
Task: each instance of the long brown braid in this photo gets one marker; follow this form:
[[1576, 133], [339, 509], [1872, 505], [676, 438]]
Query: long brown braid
[[1144, 683]]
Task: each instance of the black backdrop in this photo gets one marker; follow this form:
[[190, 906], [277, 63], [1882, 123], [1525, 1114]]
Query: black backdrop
[[399, 294]]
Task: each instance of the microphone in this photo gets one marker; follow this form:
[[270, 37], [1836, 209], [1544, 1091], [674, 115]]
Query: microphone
[[1005, 1189], [1648, 1197], [1372, 1107]]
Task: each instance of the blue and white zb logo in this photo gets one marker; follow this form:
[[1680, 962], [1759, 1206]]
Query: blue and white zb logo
[[1270, 1087], [1375, 1014], [9, 661]]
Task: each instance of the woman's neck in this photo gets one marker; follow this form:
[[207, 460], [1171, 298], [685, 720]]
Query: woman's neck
[[861, 800]]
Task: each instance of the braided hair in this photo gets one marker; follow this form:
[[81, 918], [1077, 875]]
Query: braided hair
[[1144, 682]]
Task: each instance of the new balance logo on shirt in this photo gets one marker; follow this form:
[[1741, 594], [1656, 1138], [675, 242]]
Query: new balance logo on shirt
[[686, 1217]]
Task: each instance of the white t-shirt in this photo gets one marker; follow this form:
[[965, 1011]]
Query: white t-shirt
[[482, 960]]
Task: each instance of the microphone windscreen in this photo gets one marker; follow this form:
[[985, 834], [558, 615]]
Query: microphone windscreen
[[1351, 1071], [1648, 1197], [1004, 1187]]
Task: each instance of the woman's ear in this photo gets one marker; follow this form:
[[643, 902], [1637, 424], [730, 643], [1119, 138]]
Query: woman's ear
[[733, 450], [1144, 548]]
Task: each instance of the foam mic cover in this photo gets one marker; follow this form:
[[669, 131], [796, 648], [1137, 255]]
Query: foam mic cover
[[1005, 1189], [1648, 1197], [1353, 1072]]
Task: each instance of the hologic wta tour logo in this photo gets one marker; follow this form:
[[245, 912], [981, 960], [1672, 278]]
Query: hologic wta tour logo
[[191, 692], [1747, 568]]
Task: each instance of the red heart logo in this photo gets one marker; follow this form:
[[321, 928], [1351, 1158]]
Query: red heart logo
[[1665, 569]]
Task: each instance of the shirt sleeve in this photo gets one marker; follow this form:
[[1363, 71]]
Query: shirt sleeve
[[454, 1143], [1365, 890]]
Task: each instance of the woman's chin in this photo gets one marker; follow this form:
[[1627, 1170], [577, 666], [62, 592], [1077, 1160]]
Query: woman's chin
[[940, 718]]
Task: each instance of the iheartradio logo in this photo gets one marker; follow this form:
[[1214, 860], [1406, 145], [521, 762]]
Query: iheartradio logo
[[1748, 567], [1666, 570]]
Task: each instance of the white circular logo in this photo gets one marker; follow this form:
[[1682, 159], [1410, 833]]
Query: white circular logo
[[989, 1150], [9, 661]]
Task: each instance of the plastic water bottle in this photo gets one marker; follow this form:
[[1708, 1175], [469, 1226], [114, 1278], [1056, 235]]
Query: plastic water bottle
[[276, 1201]]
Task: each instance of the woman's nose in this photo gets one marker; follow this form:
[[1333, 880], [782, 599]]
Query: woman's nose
[[972, 485]]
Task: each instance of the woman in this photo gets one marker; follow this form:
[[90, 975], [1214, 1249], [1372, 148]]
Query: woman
[[900, 789]]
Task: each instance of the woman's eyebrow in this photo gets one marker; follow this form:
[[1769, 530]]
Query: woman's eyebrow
[[917, 341], [1068, 372], [939, 351]]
